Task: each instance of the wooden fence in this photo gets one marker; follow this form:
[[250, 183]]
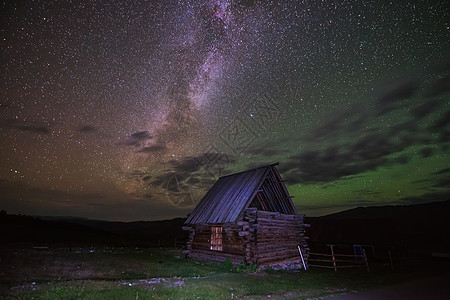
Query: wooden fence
[[337, 261], [167, 243]]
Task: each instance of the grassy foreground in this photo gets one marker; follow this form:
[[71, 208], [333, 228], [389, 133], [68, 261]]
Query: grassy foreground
[[122, 273]]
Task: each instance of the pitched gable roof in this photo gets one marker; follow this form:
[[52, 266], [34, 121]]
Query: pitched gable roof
[[231, 194]]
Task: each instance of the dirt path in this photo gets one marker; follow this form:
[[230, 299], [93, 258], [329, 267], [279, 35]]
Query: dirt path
[[435, 288]]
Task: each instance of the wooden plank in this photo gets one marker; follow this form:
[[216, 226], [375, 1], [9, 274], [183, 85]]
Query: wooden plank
[[321, 260], [321, 254], [320, 266], [216, 256], [269, 215], [280, 262], [278, 224], [265, 258], [274, 248], [275, 238], [276, 253], [278, 240], [276, 259], [281, 233], [278, 229], [277, 221]]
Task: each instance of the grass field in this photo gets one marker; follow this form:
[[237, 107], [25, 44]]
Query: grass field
[[124, 273]]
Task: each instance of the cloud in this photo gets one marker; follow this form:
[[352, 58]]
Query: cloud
[[185, 165], [35, 128], [206, 164], [348, 120], [152, 149], [442, 183], [395, 90], [442, 171], [187, 179], [141, 135], [367, 153], [26, 126], [365, 192], [162, 179], [438, 87], [136, 175], [426, 152], [269, 148], [390, 95], [215, 163], [137, 139], [86, 129], [18, 197], [257, 164], [424, 109], [327, 166], [373, 146], [436, 181], [442, 122], [355, 146], [427, 197], [399, 160], [264, 151]]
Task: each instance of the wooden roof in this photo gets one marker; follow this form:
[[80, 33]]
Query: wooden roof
[[230, 195]]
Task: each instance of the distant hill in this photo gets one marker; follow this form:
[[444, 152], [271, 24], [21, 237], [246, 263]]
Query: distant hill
[[22, 230], [424, 227], [432, 209], [166, 230], [30, 231]]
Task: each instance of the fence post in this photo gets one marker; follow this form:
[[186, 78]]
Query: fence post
[[301, 255], [334, 258], [365, 258], [390, 260]]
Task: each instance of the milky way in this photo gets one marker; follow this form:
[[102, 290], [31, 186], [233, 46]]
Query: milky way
[[131, 110]]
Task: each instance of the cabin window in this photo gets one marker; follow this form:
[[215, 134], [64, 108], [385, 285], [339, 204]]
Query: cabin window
[[216, 238]]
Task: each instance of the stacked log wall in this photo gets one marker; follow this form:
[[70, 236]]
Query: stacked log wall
[[277, 238], [260, 237], [199, 247], [247, 230]]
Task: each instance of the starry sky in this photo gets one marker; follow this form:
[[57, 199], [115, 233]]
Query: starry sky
[[130, 110]]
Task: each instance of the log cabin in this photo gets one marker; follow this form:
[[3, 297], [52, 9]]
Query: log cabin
[[248, 217]]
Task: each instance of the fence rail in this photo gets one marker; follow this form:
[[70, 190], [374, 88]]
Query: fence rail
[[338, 261], [167, 243]]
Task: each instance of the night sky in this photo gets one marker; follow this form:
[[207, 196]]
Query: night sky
[[130, 110]]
